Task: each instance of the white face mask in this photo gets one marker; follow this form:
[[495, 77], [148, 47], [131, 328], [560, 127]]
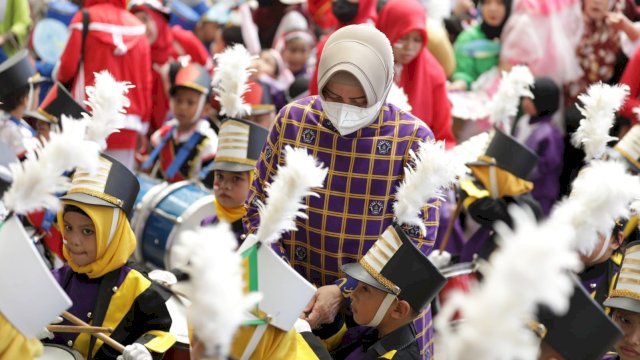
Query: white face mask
[[348, 118]]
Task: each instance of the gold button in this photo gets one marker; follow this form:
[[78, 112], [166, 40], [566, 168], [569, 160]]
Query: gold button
[[89, 314], [115, 288], [70, 343]]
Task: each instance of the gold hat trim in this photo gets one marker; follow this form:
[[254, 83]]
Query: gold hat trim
[[538, 328], [627, 280], [380, 278], [236, 160], [626, 270], [627, 156], [631, 261], [106, 197], [624, 293]]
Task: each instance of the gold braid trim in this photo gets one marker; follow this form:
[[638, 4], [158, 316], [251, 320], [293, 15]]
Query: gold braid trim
[[380, 278], [236, 160], [538, 328], [624, 293], [100, 195]]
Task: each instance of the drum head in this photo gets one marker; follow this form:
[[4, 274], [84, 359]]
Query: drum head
[[49, 39], [59, 352]]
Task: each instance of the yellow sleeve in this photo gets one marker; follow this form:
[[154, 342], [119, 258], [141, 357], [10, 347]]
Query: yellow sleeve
[[473, 192], [13, 345]]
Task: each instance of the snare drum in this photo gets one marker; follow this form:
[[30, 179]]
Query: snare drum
[[59, 352], [165, 211], [181, 350], [459, 277]]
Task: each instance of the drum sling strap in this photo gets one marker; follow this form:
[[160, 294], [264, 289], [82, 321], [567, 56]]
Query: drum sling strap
[[85, 31], [180, 158], [105, 292]]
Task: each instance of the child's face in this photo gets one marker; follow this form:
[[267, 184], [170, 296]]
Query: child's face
[[296, 54], [231, 188], [43, 129], [529, 107], [80, 238], [629, 346], [407, 48], [493, 12], [267, 64], [185, 106], [365, 301]]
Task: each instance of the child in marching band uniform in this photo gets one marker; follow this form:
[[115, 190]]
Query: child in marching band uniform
[[105, 290], [238, 151], [624, 301], [184, 145], [390, 297], [19, 92]]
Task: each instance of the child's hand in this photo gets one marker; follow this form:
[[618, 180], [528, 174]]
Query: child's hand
[[135, 352]]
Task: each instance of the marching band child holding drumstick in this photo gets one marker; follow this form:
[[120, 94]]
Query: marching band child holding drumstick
[[98, 242]]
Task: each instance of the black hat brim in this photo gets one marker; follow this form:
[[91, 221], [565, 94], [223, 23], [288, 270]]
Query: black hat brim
[[87, 199], [623, 303], [357, 272]]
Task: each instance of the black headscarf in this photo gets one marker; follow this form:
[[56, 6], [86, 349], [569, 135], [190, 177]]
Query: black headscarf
[[546, 96], [493, 32]]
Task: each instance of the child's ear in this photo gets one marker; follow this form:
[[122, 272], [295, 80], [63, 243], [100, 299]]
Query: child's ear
[[401, 310], [617, 240]]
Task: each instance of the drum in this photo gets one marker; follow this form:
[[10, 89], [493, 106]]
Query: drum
[[149, 187], [49, 39], [163, 213], [179, 328], [459, 277], [59, 352]]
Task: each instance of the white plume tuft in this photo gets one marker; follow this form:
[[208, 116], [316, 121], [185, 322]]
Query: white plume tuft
[[107, 100], [434, 170], [601, 193], [599, 105], [470, 149], [399, 98], [504, 104], [218, 302], [528, 269], [37, 180], [230, 80], [292, 183]]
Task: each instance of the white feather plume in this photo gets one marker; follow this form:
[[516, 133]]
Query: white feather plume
[[504, 104], [471, 148], [230, 80], [599, 105], [286, 194], [218, 302], [600, 194], [433, 171], [37, 180], [107, 100], [399, 98], [527, 270]]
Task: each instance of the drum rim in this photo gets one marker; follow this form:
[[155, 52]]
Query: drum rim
[[141, 215], [69, 350], [193, 208]]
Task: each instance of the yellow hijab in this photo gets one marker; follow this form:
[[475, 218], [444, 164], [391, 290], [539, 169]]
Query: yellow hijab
[[114, 237], [231, 215]]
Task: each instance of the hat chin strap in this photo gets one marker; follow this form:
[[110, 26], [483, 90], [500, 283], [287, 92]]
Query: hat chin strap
[[201, 101], [382, 310], [604, 248], [30, 97]]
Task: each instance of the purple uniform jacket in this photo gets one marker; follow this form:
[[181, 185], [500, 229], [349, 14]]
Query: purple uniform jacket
[[547, 142], [355, 205]]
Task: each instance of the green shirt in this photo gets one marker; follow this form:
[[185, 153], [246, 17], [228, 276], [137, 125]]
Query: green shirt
[[475, 54], [17, 20]]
